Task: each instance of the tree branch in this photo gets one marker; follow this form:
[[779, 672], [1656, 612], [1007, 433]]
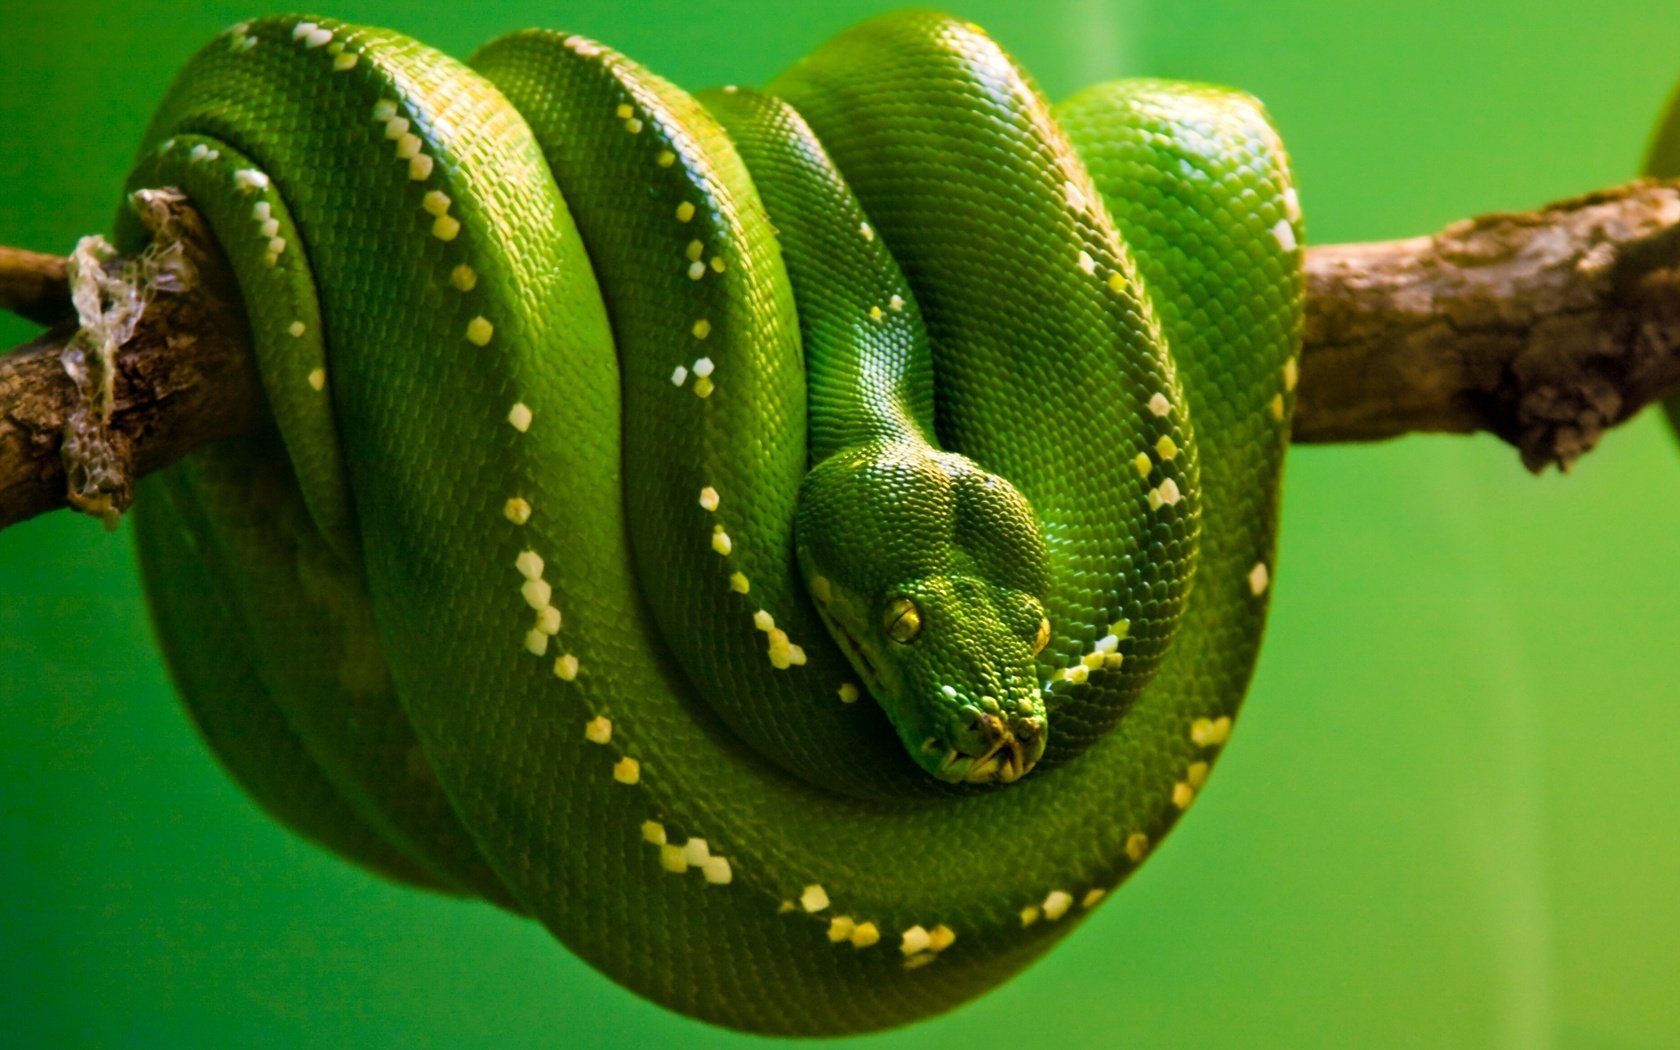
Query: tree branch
[[1545, 327], [183, 379]]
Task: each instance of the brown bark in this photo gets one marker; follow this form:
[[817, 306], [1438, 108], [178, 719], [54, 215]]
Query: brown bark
[[1544, 327], [185, 378]]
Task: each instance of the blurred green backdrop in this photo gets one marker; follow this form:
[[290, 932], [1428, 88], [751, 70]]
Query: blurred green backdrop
[[1449, 818]]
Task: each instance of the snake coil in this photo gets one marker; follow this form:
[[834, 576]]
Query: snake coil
[[610, 481]]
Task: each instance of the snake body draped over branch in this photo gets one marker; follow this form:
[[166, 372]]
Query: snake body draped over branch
[[805, 548]]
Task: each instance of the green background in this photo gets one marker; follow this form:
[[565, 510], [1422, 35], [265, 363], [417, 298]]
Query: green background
[[1451, 816]]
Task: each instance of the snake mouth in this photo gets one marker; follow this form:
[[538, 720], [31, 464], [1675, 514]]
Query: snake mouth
[[864, 666], [1010, 755]]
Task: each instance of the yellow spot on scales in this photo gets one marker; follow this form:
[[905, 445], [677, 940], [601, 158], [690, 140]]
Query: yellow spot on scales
[[1183, 794], [840, 928], [1166, 448], [913, 940], [420, 167], [1137, 845], [530, 564], [653, 832], [463, 278], [1164, 495], [517, 511], [1056, 904], [1143, 464], [865, 934], [721, 541], [1285, 235], [479, 331], [598, 730], [1092, 896], [848, 693], [709, 498], [538, 593], [445, 227], [813, 898], [1259, 579], [435, 202], [627, 770], [1210, 732], [685, 211], [1277, 407], [296, 329], [343, 61], [666, 158], [520, 417], [318, 378], [566, 668], [548, 619], [738, 583]]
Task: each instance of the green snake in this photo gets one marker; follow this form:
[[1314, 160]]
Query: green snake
[[805, 592]]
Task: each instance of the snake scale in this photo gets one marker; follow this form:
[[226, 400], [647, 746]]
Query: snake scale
[[803, 547]]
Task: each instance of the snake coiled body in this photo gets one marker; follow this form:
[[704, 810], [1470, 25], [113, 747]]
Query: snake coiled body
[[606, 489]]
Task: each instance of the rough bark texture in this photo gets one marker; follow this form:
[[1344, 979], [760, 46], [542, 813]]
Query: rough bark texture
[[1544, 327], [184, 379]]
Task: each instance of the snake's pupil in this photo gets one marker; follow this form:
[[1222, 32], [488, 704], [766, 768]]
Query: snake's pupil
[[903, 621]]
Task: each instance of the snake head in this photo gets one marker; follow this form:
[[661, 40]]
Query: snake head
[[930, 573]]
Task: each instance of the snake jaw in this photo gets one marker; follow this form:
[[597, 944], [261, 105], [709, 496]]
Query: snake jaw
[[1010, 753]]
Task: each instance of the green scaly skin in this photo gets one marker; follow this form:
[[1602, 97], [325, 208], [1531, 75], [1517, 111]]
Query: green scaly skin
[[913, 617], [518, 612]]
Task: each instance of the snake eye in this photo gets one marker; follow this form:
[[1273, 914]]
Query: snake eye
[[1043, 637], [901, 620]]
